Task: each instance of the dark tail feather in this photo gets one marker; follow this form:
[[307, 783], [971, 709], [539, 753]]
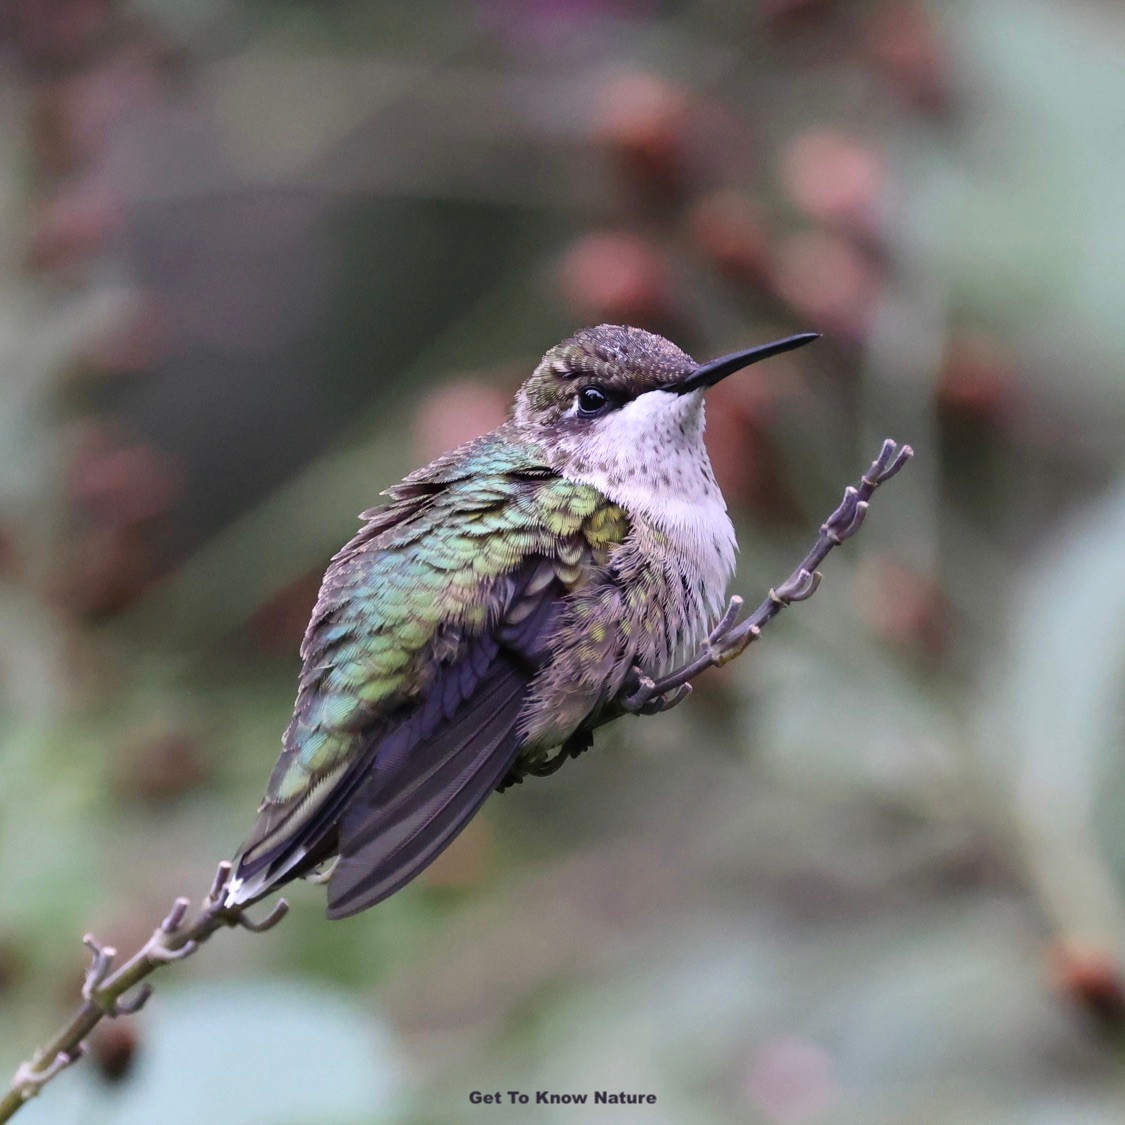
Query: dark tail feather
[[386, 838]]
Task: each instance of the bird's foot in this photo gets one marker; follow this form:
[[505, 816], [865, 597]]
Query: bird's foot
[[577, 743], [322, 872], [643, 697]]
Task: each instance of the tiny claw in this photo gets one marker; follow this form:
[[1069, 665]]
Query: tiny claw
[[632, 701], [175, 916], [551, 765], [682, 692], [268, 922], [130, 1007], [666, 701], [320, 875]]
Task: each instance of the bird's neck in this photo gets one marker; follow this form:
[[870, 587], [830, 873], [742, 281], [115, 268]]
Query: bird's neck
[[664, 478]]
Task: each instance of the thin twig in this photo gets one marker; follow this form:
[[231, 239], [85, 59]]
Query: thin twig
[[104, 990]]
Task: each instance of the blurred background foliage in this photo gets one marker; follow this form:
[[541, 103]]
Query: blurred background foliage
[[259, 259]]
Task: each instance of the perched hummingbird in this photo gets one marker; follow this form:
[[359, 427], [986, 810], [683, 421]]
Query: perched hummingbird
[[494, 611]]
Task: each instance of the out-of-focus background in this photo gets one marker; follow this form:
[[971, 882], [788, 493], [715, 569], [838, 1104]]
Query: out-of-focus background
[[260, 259]]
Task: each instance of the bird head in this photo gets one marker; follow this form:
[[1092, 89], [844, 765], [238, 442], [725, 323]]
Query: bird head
[[611, 389]]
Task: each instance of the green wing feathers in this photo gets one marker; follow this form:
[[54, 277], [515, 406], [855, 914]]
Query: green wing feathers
[[468, 551]]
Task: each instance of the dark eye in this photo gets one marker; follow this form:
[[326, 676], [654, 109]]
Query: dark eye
[[592, 400]]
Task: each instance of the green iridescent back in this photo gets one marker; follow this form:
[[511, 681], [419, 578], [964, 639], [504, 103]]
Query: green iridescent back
[[427, 573]]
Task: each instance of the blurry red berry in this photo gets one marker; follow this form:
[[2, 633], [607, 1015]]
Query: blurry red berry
[[158, 766], [113, 1049], [732, 235], [903, 42], [70, 227], [903, 607], [58, 33], [104, 571], [278, 623], [640, 121], [12, 963], [1091, 978], [620, 278], [52, 132], [827, 281], [788, 15], [792, 1080], [125, 81], [134, 342], [455, 413], [118, 485], [834, 178], [978, 381]]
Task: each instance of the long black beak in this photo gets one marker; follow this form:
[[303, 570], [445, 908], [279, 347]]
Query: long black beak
[[708, 374]]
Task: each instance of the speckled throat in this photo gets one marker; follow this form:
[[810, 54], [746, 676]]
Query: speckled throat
[[650, 458]]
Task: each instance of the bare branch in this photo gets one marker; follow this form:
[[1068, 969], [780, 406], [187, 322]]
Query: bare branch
[[104, 989]]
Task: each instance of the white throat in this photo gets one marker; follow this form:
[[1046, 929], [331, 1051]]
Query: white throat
[[649, 457]]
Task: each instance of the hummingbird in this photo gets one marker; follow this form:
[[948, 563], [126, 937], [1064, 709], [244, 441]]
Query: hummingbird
[[495, 610]]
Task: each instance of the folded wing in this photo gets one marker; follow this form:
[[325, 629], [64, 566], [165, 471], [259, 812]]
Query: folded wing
[[430, 628]]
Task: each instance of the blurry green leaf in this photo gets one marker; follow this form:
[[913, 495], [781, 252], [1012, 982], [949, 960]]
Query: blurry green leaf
[[266, 1053], [1058, 716]]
